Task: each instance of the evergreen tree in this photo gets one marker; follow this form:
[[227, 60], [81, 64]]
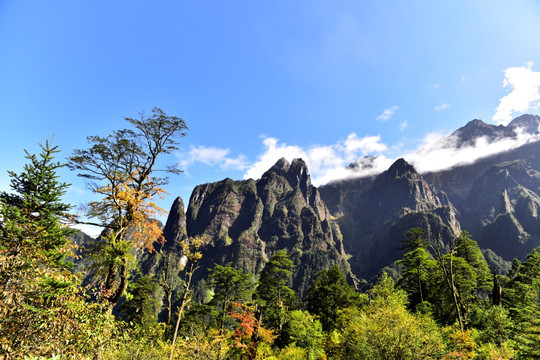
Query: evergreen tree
[[329, 293], [273, 292], [229, 285], [416, 268], [384, 329], [415, 238], [141, 304], [461, 278], [522, 297], [469, 250], [42, 311]]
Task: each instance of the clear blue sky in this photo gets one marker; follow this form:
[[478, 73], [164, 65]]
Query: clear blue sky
[[254, 80]]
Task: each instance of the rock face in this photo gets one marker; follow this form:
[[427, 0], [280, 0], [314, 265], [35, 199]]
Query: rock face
[[476, 129], [376, 214], [245, 222], [498, 199], [359, 223]]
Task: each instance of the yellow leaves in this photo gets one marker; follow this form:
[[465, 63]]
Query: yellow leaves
[[461, 343], [190, 248]]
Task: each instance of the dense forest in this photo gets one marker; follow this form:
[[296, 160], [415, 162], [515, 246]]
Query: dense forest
[[59, 300]]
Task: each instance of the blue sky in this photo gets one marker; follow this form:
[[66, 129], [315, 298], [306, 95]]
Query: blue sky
[[331, 81]]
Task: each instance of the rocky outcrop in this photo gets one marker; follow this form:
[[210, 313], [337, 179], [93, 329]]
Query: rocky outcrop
[[476, 129], [496, 199], [375, 215], [245, 222]]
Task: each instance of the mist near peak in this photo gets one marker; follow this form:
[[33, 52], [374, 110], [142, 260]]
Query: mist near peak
[[357, 157], [445, 152]]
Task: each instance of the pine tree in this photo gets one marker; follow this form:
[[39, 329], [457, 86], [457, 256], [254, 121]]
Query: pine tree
[[522, 297], [229, 285], [416, 264], [42, 310], [329, 293], [273, 292]]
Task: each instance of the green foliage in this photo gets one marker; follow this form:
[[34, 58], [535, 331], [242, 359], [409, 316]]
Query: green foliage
[[415, 238], [42, 308], [329, 293], [469, 250], [229, 285], [304, 331], [460, 279], [273, 292], [385, 294], [523, 300], [417, 265], [122, 168], [141, 303], [384, 329]]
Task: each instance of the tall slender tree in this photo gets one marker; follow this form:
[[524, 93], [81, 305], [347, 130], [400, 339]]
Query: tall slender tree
[[229, 285], [328, 294], [416, 264], [121, 169], [273, 292], [192, 256]]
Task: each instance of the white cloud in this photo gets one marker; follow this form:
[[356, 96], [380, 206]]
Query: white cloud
[[93, 231], [213, 156], [442, 107], [365, 145], [434, 86], [404, 124], [439, 151], [325, 162], [387, 113], [524, 95], [272, 153]]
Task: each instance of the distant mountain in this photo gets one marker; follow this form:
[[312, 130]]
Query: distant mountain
[[476, 129], [375, 215], [497, 199], [359, 224]]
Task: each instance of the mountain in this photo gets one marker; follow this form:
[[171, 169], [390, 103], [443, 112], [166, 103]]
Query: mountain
[[476, 129], [359, 223], [498, 199], [376, 212], [245, 222]]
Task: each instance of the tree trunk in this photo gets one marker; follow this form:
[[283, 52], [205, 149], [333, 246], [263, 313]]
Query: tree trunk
[[168, 294], [185, 300], [119, 291]]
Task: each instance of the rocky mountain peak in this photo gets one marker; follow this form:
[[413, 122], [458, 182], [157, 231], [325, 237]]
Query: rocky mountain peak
[[281, 167], [296, 174], [476, 128], [175, 227], [401, 186], [530, 123], [400, 168]]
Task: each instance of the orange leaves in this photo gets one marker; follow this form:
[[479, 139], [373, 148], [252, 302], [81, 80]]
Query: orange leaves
[[461, 343], [249, 334], [247, 320]]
